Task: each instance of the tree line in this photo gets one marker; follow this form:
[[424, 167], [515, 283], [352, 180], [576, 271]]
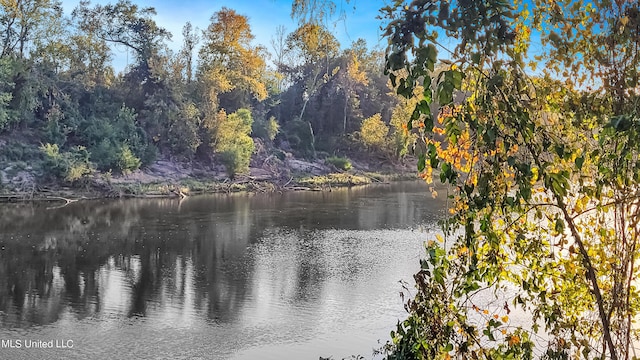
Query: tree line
[[64, 107]]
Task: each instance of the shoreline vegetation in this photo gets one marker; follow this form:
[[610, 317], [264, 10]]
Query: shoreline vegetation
[[219, 115], [166, 179]]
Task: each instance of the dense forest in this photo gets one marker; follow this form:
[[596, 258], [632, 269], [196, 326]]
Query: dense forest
[[67, 115]]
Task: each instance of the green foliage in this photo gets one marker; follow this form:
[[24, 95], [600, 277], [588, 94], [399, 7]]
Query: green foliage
[[373, 132], [55, 130], [14, 151], [183, 134], [127, 162], [71, 166], [57, 86], [6, 88], [401, 138], [298, 134], [341, 163], [109, 139], [54, 163], [543, 177], [233, 142], [126, 24], [266, 129]]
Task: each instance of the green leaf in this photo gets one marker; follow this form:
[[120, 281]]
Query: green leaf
[[428, 123], [423, 107], [456, 79], [426, 83], [475, 58], [415, 115], [422, 160], [579, 162], [559, 149], [447, 173], [445, 93], [428, 95]]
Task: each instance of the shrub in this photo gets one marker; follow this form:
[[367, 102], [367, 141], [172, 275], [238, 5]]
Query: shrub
[[299, 135], [14, 150], [71, 166], [339, 162], [107, 136], [127, 162], [78, 171], [273, 128], [374, 132], [266, 129], [233, 143]]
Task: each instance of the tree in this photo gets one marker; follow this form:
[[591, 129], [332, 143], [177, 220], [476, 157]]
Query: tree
[[20, 21], [402, 139], [183, 135], [314, 11], [316, 50], [316, 47], [543, 174], [280, 55], [191, 39], [89, 59], [350, 78], [124, 24], [228, 61], [114, 142]]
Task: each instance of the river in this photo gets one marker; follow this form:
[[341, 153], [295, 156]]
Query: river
[[271, 276]]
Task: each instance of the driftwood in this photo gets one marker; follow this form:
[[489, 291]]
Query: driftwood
[[176, 190], [20, 197], [67, 201], [301, 188]]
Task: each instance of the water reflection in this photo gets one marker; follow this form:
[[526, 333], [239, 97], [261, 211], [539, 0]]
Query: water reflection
[[254, 270]]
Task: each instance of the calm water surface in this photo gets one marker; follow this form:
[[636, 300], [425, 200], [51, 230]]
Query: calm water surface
[[279, 276]]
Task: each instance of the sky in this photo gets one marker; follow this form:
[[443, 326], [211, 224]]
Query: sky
[[264, 16]]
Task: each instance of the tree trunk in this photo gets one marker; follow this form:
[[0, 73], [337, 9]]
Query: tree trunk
[[313, 140], [346, 103]]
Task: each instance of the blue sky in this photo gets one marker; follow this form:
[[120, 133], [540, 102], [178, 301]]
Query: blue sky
[[264, 16]]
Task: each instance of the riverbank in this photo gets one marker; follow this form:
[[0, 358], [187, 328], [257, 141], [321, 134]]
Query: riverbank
[[166, 178]]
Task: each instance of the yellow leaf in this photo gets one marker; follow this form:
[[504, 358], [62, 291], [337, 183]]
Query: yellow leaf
[[440, 238], [514, 340], [624, 21]]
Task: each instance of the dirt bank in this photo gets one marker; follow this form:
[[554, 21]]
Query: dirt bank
[[167, 178]]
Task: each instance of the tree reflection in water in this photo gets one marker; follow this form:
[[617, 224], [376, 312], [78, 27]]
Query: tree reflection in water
[[228, 259]]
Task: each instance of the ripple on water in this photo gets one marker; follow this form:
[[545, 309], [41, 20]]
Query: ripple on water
[[324, 285], [235, 280]]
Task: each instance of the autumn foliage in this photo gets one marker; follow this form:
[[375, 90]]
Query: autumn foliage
[[537, 145]]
